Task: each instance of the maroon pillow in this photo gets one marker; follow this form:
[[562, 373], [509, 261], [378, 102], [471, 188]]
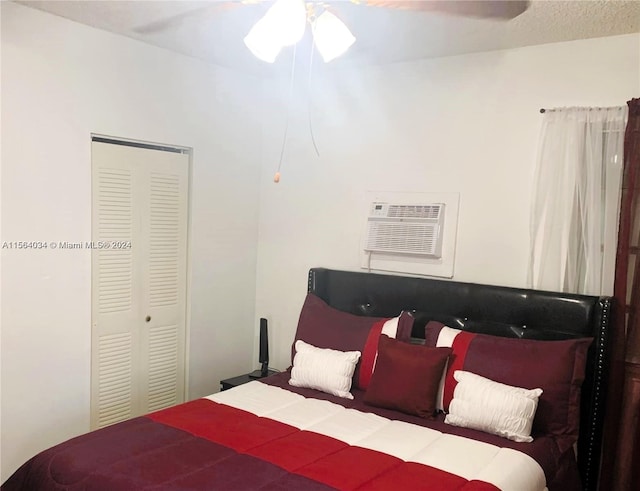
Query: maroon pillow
[[557, 367], [325, 327], [406, 377]]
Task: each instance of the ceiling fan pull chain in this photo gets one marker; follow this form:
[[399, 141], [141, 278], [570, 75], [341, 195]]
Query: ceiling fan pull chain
[[313, 139], [276, 177]]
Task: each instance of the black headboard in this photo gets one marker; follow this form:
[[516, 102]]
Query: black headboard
[[503, 311]]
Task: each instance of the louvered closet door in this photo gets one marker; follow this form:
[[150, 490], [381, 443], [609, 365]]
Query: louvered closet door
[[140, 197]]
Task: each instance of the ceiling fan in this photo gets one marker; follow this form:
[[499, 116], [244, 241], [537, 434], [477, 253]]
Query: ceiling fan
[[285, 22], [489, 9]]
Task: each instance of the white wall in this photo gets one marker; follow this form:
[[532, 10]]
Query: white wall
[[61, 81], [467, 124]]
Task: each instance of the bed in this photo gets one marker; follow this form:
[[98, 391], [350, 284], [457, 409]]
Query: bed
[[419, 342]]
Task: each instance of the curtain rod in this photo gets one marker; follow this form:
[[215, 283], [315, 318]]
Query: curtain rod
[[543, 110]]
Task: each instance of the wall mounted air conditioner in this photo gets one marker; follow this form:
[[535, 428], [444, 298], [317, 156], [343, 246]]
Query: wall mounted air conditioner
[[405, 229]]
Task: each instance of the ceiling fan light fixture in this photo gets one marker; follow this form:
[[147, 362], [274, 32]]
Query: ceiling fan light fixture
[[282, 25], [331, 36], [261, 41], [287, 20]]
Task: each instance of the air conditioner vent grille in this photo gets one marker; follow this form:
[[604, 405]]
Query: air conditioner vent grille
[[414, 229], [403, 238], [414, 211]]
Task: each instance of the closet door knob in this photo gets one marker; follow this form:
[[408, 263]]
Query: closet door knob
[[148, 318]]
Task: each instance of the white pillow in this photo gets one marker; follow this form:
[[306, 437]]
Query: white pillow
[[489, 406], [323, 369]]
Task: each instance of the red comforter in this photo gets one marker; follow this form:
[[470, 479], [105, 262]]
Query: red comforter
[[211, 445]]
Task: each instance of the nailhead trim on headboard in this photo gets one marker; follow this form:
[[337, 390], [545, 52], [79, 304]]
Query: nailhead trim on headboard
[[597, 406]]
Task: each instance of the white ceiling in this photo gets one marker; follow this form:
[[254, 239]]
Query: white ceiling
[[214, 30]]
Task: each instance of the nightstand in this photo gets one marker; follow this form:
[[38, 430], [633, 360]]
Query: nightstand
[[239, 380]]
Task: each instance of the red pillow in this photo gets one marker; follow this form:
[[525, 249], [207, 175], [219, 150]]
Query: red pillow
[[326, 327], [406, 377], [557, 367]]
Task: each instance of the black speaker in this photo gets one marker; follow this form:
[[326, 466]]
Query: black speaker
[[263, 356], [264, 348]]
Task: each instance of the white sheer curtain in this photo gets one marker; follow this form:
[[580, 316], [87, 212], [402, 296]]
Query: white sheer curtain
[[576, 200]]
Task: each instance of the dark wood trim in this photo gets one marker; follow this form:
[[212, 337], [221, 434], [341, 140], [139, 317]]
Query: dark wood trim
[[628, 450]]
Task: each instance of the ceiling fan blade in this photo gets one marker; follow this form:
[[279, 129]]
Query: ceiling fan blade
[[176, 20], [498, 9]]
